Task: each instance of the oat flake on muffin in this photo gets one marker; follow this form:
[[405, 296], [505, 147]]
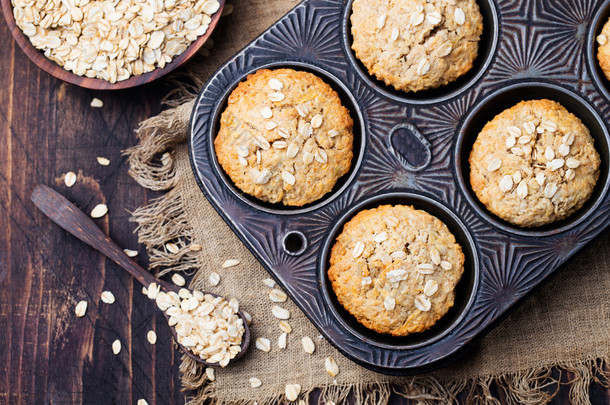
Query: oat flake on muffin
[[395, 268], [285, 137], [534, 164], [603, 49], [416, 45]]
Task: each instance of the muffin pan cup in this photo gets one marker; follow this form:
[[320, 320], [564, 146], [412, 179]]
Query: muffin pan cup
[[413, 149]]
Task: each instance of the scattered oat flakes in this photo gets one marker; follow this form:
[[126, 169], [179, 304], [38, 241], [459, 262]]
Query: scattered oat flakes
[[81, 309], [151, 336], [172, 247], [308, 344], [293, 391], [269, 282], [116, 346], [276, 295], [214, 278], [195, 247], [178, 280], [70, 179], [255, 382], [142, 401], [230, 263], [281, 341], [99, 211], [263, 344], [331, 366], [130, 253], [445, 265], [153, 290], [108, 297], [209, 372], [97, 103], [285, 327], [103, 161], [280, 313]]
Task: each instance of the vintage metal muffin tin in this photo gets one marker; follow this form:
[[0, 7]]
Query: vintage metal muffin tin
[[413, 149]]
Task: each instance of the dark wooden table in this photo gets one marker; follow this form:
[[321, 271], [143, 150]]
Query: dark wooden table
[[47, 354]]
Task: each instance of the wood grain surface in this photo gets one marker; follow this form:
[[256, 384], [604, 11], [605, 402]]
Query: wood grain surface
[[47, 354]]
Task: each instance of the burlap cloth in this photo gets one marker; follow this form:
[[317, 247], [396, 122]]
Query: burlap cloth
[[565, 324]]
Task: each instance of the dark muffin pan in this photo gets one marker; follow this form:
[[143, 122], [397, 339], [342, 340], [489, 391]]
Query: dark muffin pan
[[413, 148]]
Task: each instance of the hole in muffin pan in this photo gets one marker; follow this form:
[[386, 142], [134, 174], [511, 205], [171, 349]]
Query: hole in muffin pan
[[487, 48], [596, 72], [509, 96], [347, 100], [465, 290], [294, 243]]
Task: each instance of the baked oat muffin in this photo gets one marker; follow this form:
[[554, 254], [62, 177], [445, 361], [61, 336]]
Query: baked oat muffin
[[534, 164], [395, 269], [285, 137], [415, 45], [603, 50]]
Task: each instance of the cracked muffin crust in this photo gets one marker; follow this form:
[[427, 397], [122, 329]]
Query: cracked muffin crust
[[285, 137], [534, 164], [395, 268], [603, 49], [415, 45]]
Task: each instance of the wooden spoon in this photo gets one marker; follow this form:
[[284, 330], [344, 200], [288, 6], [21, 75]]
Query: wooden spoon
[[66, 215]]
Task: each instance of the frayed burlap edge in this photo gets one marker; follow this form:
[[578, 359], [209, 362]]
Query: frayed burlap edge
[[164, 220]]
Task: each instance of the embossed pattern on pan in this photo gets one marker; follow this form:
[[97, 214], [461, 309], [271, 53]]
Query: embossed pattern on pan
[[415, 148]]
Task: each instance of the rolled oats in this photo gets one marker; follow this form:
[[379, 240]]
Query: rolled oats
[[331, 366], [99, 211], [108, 297], [230, 263], [70, 179], [113, 40], [255, 382], [308, 345], [81, 309]]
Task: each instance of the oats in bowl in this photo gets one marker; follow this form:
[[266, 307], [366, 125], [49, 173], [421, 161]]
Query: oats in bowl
[[113, 40]]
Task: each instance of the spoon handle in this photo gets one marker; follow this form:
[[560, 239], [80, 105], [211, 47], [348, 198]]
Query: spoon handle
[[66, 215]]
